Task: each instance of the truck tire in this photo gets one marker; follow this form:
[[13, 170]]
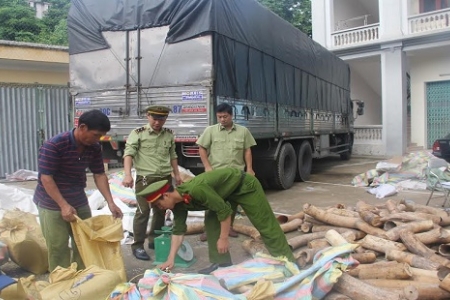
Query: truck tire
[[304, 161], [285, 168], [347, 154]]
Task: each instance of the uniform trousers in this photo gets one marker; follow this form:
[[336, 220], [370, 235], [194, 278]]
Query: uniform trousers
[[251, 197], [140, 221]]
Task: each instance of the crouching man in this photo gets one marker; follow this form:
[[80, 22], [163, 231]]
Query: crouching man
[[219, 192]]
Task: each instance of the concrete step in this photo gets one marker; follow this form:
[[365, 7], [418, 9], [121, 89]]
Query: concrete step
[[414, 147]]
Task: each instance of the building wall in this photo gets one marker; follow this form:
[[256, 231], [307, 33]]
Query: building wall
[[413, 7], [424, 69], [34, 76], [346, 9], [33, 63], [33, 94], [372, 102], [33, 52]]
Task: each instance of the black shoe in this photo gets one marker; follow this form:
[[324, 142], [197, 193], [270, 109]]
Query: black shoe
[[141, 254], [151, 245], [213, 267]]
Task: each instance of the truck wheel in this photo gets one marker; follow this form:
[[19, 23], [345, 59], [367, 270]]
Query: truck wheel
[[304, 159], [285, 168], [346, 155]]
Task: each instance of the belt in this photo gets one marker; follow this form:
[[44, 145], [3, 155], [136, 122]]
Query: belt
[[144, 178], [153, 176]]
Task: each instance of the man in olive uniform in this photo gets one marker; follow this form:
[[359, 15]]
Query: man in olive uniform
[[219, 191], [151, 149], [226, 145]]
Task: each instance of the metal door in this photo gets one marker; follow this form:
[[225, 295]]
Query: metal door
[[438, 110], [29, 115]]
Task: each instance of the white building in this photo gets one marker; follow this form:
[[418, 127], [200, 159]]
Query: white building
[[399, 55], [40, 7]]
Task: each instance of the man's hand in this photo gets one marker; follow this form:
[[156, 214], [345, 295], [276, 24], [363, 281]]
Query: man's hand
[[167, 265], [178, 179], [68, 213], [128, 181], [207, 169], [222, 245], [115, 210], [251, 172]]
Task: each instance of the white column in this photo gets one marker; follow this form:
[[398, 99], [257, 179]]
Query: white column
[[391, 16], [393, 76], [329, 22], [404, 7], [319, 30]]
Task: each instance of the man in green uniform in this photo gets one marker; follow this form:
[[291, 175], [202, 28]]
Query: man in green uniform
[[151, 149], [224, 145], [219, 191]]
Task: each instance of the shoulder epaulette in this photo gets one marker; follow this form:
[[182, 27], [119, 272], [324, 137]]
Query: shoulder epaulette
[[140, 129], [168, 130]]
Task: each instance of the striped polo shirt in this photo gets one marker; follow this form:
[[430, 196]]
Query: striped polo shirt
[[59, 157]]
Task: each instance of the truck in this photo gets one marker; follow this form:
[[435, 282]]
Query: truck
[[191, 55]]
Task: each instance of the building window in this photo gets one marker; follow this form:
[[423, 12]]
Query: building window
[[432, 5]]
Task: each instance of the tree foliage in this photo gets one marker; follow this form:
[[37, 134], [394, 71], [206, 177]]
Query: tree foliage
[[296, 12], [19, 22]]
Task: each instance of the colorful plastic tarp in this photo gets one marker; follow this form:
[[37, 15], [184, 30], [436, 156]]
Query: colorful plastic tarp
[[312, 283], [157, 284], [262, 266], [411, 167], [275, 278]]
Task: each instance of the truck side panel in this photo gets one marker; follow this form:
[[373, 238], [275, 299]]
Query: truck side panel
[[147, 59], [189, 106], [140, 69], [258, 117]]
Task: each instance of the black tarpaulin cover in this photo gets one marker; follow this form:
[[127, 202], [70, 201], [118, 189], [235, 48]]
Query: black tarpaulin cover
[[253, 37]]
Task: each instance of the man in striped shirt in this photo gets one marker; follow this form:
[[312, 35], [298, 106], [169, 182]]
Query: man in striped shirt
[[60, 194]]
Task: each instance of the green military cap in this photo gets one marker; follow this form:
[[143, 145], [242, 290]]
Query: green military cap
[[158, 111], [154, 191]]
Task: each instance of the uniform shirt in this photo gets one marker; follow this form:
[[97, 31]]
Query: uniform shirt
[[226, 147], [208, 191], [152, 152], [59, 157]]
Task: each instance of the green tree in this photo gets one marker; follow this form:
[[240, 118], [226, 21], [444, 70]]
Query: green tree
[[19, 23], [296, 12], [4, 3], [58, 11], [55, 23], [302, 16], [59, 36]]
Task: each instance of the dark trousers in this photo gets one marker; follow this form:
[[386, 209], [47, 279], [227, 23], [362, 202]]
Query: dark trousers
[[142, 215]]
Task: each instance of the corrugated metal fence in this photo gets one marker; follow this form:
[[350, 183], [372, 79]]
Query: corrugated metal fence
[[30, 114]]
